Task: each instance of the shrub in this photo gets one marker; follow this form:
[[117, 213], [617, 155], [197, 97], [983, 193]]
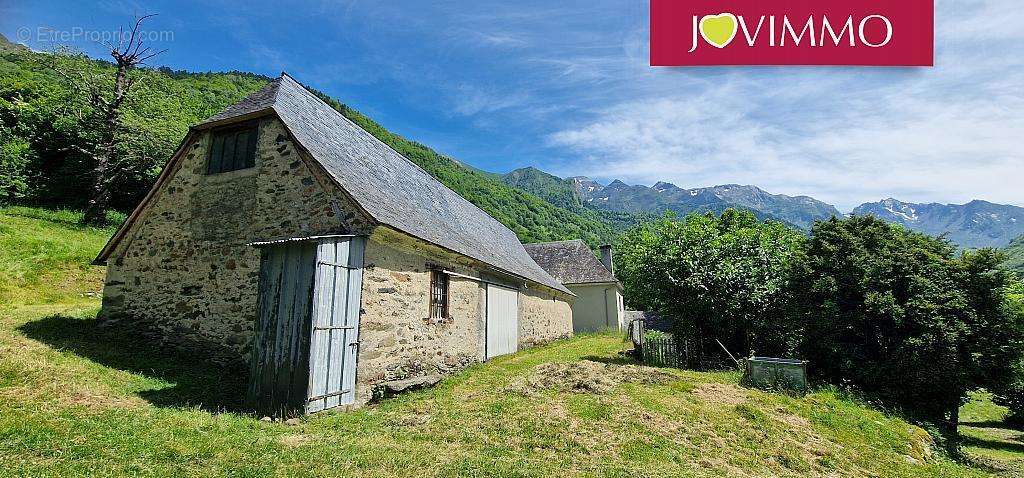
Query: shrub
[[901, 317], [656, 335], [14, 159], [1011, 394], [715, 277]]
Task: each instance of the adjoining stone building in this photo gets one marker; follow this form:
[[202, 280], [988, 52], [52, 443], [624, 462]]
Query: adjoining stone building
[[283, 237], [599, 295]]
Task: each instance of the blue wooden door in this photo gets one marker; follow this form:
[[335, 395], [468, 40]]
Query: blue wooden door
[[279, 378], [334, 342]]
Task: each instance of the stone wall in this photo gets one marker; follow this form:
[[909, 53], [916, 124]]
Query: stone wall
[[185, 275], [397, 338], [543, 317]]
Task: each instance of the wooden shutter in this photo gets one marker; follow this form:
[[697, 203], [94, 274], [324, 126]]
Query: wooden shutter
[[233, 148], [216, 154]]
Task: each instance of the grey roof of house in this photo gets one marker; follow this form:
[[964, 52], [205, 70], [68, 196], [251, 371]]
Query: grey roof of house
[[391, 188], [571, 262]]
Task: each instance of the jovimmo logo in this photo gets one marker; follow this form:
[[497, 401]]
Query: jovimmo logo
[[792, 32]]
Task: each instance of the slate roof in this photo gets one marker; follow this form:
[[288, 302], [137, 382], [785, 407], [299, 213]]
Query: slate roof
[[391, 188], [571, 262]]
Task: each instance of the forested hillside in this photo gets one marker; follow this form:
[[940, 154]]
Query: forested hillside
[[46, 139], [45, 142], [549, 187], [1015, 254]]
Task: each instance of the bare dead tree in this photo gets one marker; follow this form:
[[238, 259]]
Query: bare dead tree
[[128, 53]]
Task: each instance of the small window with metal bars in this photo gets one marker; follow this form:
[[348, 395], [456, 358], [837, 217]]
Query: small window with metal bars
[[438, 295]]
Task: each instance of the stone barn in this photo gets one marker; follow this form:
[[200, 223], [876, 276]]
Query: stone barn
[[284, 238], [599, 300]]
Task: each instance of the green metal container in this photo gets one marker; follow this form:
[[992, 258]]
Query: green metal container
[[775, 374]]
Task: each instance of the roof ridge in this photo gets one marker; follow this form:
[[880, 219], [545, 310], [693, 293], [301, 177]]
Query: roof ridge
[[571, 262], [353, 123], [378, 140], [565, 241], [472, 231], [276, 82]]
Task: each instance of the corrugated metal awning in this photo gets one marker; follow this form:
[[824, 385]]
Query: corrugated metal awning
[[299, 239]]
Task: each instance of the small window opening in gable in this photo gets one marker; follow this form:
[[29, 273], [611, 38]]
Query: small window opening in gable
[[438, 295], [233, 148]]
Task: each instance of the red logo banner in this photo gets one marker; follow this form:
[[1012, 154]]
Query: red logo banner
[[792, 32]]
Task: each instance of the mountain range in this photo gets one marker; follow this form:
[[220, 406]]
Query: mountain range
[[975, 224], [799, 211], [583, 192]]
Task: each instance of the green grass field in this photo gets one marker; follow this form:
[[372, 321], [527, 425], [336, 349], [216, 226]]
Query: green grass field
[[45, 255], [78, 401]]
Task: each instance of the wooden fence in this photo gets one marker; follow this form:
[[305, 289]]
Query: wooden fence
[[662, 351]]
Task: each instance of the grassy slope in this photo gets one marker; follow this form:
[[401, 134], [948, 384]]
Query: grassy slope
[[74, 401], [44, 256], [987, 440]]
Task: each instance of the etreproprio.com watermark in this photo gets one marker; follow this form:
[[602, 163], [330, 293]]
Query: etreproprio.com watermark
[[75, 34]]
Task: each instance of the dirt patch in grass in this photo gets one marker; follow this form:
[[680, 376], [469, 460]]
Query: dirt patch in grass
[[723, 393], [94, 400], [789, 419], [55, 397], [294, 441], [414, 419], [586, 376]]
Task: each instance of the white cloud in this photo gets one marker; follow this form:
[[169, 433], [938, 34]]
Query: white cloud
[[500, 39], [950, 133], [469, 99]]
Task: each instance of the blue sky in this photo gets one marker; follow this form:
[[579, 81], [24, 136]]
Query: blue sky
[[565, 86]]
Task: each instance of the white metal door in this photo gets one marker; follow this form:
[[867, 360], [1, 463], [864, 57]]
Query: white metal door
[[502, 320], [335, 337]]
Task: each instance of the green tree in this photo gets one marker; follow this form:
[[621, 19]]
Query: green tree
[[1011, 392], [55, 117], [14, 159], [716, 277], [899, 316]]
